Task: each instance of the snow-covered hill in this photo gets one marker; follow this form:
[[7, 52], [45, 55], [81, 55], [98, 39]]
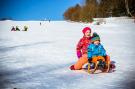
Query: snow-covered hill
[[40, 58]]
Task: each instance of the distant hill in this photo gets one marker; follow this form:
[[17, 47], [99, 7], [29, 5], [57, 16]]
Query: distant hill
[[3, 19]]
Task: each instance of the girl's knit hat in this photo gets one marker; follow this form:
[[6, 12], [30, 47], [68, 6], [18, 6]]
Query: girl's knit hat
[[85, 29]]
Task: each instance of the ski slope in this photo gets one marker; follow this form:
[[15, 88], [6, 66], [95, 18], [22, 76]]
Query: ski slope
[[40, 58]]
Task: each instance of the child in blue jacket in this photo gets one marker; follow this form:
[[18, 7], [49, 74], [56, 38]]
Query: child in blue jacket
[[96, 48]]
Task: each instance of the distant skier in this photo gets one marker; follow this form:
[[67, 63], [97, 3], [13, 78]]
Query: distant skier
[[40, 23], [25, 28], [17, 28], [13, 29]]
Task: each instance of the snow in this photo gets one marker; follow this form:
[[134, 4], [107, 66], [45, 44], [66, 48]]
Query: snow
[[40, 58]]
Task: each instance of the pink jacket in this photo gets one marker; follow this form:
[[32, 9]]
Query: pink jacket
[[82, 46]]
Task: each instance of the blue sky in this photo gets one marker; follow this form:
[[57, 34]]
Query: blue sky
[[35, 9]]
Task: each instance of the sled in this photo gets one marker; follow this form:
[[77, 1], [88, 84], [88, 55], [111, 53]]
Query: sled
[[99, 64]]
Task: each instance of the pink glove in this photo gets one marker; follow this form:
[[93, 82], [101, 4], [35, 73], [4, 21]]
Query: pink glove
[[79, 54]]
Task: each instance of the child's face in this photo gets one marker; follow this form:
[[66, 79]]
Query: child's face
[[96, 42], [87, 33]]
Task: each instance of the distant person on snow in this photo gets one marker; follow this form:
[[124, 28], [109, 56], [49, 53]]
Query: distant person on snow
[[17, 29], [25, 28], [81, 49], [13, 29]]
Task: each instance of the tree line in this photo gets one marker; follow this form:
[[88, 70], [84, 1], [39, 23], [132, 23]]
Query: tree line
[[100, 9]]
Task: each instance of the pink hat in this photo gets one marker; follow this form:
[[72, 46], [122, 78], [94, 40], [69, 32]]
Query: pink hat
[[85, 29]]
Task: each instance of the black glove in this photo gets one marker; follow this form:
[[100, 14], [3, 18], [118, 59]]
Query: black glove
[[90, 60]]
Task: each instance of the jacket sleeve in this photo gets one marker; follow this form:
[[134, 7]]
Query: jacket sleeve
[[103, 51], [89, 51], [78, 48]]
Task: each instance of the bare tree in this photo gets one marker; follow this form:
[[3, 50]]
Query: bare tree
[[127, 8]]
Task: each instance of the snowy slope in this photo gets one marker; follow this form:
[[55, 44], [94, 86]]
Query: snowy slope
[[40, 58]]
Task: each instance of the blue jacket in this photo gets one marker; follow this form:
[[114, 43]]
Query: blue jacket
[[96, 50]]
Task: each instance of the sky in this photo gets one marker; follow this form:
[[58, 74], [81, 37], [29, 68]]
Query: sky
[[35, 9]]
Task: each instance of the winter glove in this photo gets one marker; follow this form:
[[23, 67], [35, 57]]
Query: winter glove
[[79, 54], [90, 60]]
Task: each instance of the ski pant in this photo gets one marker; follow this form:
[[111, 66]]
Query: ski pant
[[107, 58], [81, 61], [84, 59]]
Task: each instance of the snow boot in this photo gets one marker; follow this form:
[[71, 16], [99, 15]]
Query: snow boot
[[72, 67], [112, 65]]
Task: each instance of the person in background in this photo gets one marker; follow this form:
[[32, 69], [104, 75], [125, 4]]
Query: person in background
[[25, 28], [17, 28], [13, 29]]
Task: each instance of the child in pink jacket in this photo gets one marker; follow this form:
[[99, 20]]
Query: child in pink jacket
[[81, 49]]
